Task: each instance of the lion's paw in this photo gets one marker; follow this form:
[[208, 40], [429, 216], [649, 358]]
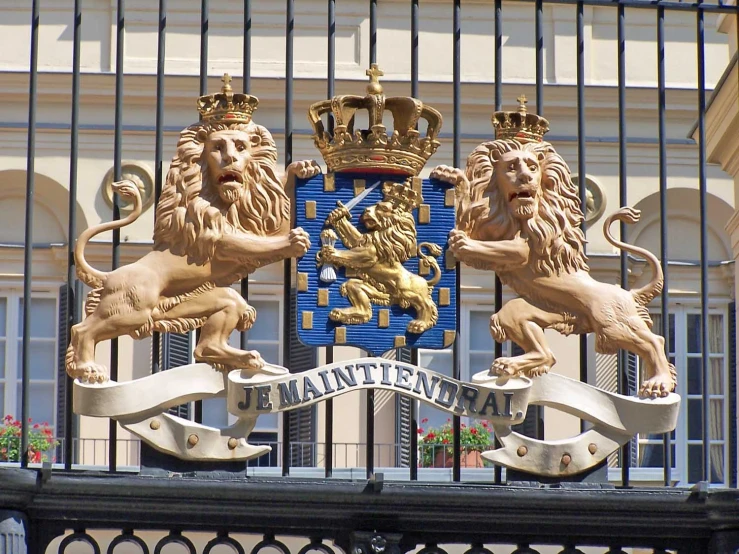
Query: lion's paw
[[91, 373], [657, 386], [304, 169], [448, 174], [418, 326], [536, 371], [504, 366]]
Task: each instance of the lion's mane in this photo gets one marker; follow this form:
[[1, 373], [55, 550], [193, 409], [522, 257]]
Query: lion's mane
[[191, 217], [395, 240], [554, 233]]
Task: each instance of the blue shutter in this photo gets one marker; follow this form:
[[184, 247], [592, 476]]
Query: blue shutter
[[732, 397], [175, 351], [301, 420]]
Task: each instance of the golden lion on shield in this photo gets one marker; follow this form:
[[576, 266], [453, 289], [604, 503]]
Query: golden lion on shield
[[377, 257], [222, 214], [519, 215]]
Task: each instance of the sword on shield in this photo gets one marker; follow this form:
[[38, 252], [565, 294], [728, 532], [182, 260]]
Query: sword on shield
[[329, 238]]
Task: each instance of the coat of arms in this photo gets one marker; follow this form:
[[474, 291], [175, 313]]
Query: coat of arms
[[377, 275]]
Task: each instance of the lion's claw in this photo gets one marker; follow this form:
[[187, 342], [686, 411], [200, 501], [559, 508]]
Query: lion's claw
[[304, 169], [91, 373], [657, 386]]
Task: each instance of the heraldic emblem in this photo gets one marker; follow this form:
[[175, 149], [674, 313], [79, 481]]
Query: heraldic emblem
[[377, 274]]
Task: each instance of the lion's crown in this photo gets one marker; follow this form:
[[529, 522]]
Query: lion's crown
[[226, 106], [520, 125], [403, 151]]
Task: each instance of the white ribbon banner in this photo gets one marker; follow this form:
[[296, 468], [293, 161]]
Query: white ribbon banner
[[140, 405]]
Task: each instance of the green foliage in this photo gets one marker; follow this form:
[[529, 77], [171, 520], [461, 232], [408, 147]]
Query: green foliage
[[472, 438], [40, 440]]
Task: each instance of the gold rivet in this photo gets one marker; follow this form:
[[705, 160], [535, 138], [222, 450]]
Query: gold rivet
[[449, 198], [423, 268], [424, 213], [399, 341], [192, 440], [449, 336], [155, 424], [449, 260], [359, 186], [417, 184], [522, 451], [566, 459], [233, 443], [592, 448], [340, 335]]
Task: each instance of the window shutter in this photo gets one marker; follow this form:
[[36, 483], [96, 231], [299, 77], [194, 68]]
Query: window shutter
[[302, 420], [65, 322], [403, 417], [632, 372], [732, 396], [176, 350], [532, 424]]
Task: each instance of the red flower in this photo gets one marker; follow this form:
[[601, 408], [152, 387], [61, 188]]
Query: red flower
[[473, 431], [36, 425], [445, 441], [430, 436], [425, 420], [420, 431]]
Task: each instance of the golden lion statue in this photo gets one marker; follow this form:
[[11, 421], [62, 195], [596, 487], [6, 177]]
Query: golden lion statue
[[519, 215], [222, 214], [377, 257]]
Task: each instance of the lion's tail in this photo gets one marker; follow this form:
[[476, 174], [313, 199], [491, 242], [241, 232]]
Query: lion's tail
[[645, 294], [86, 273], [430, 260]]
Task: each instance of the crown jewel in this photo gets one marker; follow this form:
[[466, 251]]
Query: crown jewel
[[401, 196], [520, 125], [405, 150], [226, 106]]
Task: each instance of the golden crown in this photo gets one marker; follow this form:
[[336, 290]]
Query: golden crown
[[401, 195], [404, 151], [520, 125], [226, 106]]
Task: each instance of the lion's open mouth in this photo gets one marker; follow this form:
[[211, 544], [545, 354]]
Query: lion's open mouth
[[231, 177], [520, 195]]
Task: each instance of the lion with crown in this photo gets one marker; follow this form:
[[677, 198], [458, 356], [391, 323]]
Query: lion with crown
[[519, 214], [223, 213], [377, 258]]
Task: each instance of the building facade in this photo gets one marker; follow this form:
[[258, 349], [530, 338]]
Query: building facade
[[612, 175]]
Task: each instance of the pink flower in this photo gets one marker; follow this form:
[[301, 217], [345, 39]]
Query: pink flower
[[420, 431], [425, 420]]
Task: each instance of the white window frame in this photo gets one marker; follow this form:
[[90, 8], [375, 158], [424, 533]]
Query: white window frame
[[679, 350], [13, 350]]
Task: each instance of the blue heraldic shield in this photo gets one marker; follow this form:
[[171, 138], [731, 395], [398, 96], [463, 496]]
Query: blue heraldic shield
[[378, 275]]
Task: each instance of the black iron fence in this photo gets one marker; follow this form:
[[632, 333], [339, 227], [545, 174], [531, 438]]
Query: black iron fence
[[404, 516]]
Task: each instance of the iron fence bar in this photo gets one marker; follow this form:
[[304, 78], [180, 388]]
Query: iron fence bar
[[117, 154], [498, 287], [539, 24], [581, 163], [71, 308], [649, 4], [623, 200], [456, 130], [204, 32], [246, 86], [287, 264], [705, 366], [28, 237], [413, 439], [665, 326], [370, 413], [328, 430], [156, 337]]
